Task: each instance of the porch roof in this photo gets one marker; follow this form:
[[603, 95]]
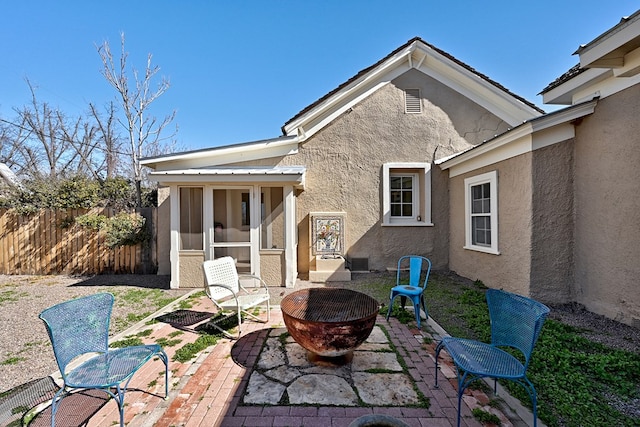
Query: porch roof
[[294, 175]]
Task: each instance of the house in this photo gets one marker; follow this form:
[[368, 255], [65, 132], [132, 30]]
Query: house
[[360, 158], [564, 216], [420, 153]]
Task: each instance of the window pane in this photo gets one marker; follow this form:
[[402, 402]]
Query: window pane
[[407, 182], [272, 226], [191, 237], [396, 196], [395, 210], [481, 230], [486, 190], [396, 182], [476, 206], [407, 197], [407, 210], [476, 192]]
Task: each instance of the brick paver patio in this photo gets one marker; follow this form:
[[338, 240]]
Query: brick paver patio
[[208, 390]]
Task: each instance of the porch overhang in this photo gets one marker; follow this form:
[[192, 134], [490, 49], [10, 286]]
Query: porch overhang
[[292, 175]]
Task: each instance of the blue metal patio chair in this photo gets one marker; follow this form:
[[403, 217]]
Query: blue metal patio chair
[[79, 330], [516, 323], [415, 288]]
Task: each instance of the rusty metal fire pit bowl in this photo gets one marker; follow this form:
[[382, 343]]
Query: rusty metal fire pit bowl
[[329, 322]]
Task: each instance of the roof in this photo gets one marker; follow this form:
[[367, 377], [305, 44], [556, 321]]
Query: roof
[[609, 51], [573, 71], [363, 72]]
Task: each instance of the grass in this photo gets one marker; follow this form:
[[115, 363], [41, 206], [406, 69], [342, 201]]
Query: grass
[[578, 381]]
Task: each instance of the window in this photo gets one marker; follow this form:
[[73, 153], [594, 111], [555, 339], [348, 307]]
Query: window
[[191, 236], [481, 209], [406, 194]]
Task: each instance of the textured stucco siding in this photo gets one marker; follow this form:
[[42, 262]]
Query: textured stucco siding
[[607, 206], [510, 270], [552, 224], [163, 231], [345, 162], [272, 265], [191, 274]]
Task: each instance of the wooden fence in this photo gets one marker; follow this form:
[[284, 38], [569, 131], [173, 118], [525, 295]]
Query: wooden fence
[[50, 242]]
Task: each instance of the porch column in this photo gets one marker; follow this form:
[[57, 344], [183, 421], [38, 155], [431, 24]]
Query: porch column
[[290, 236], [174, 254]]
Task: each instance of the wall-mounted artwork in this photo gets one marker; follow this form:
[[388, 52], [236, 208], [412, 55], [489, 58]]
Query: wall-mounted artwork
[[327, 233]]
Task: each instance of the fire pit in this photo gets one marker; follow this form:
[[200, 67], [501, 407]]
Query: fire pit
[[329, 322]]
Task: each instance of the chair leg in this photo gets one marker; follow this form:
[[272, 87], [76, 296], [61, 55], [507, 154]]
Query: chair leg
[[438, 348], [165, 359], [391, 298]]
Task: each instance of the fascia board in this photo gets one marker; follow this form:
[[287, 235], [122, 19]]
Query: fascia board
[[189, 176], [593, 54], [606, 87], [317, 122], [225, 155], [564, 93], [485, 94], [348, 96], [551, 129]]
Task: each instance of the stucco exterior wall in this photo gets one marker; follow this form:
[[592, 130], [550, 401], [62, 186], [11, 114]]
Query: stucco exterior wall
[[272, 265], [163, 234], [510, 270], [345, 162], [191, 274], [552, 223], [607, 208]]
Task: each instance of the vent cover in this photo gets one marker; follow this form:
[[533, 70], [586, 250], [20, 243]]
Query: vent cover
[[412, 104], [360, 265]]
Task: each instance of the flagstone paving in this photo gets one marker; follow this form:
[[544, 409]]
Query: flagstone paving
[[374, 376]]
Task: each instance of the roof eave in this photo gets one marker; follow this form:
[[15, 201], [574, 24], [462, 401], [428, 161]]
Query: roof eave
[[255, 150]]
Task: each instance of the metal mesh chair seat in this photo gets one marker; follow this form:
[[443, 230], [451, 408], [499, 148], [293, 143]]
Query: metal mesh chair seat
[[79, 329], [112, 368], [482, 359], [231, 292], [516, 322]]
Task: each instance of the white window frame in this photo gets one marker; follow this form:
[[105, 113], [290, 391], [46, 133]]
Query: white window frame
[[492, 179], [421, 193]]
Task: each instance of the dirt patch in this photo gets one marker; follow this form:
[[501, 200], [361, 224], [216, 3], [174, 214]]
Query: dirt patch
[[25, 351]]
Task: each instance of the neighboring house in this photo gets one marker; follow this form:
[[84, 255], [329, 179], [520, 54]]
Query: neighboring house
[[421, 154]]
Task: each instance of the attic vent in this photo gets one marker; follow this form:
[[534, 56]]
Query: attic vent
[[412, 104]]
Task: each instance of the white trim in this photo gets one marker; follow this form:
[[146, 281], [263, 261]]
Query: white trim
[[423, 193], [174, 251], [290, 236], [492, 179], [263, 149]]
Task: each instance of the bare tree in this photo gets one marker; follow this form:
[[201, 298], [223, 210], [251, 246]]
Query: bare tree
[[143, 130], [108, 137], [46, 144]]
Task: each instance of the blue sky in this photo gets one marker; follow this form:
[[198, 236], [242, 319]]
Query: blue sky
[[240, 69]]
